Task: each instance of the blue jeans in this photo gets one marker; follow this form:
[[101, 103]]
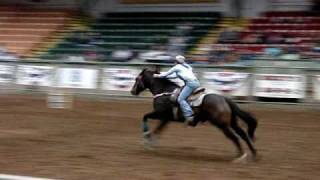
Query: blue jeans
[[185, 93]]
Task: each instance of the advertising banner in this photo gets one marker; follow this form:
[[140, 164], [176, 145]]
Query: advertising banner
[[316, 87], [7, 73], [119, 79], [227, 83], [77, 78], [280, 86], [35, 75]]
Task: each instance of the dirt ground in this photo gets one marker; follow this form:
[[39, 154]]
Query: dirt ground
[[102, 141]]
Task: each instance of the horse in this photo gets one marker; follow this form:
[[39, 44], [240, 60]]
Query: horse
[[220, 111]]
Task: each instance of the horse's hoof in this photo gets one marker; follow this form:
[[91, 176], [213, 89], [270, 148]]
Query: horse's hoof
[[147, 144], [242, 158], [256, 158], [148, 147]]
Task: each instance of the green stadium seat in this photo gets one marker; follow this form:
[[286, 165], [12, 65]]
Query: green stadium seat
[[137, 31]]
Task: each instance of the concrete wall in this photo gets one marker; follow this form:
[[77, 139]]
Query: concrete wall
[[213, 7], [289, 5], [46, 3], [250, 8], [254, 8], [98, 7]]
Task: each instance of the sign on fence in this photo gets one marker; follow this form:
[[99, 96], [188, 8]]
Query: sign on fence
[[59, 98], [316, 87], [77, 78], [119, 79], [279, 86], [35, 75], [227, 83], [6, 73]]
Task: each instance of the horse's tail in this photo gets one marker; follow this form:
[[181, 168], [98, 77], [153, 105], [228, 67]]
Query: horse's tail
[[245, 116]]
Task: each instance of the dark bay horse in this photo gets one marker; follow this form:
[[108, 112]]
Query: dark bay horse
[[218, 110]]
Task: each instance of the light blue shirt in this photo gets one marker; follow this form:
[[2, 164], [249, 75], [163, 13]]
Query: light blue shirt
[[182, 71]]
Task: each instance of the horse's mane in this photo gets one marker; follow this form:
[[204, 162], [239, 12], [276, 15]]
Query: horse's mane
[[167, 82]]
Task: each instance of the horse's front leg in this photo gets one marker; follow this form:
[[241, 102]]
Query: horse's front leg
[[145, 127], [146, 117]]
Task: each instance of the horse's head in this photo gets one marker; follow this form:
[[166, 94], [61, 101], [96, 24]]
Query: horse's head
[[143, 81]]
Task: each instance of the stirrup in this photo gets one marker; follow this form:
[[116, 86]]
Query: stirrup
[[188, 121]]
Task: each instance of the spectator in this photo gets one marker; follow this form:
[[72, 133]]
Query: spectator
[[272, 52], [314, 50], [316, 47], [91, 55], [246, 55], [5, 55], [229, 35], [80, 37], [177, 45], [218, 54], [157, 54], [95, 39], [275, 38], [254, 38], [232, 57], [122, 54], [183, 29], [276, 20], [202, 58], [178, 42], [307, 51], [289, 39], [249, 39], [290, 54]]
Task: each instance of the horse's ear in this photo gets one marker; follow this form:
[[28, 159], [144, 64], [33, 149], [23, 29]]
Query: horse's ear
[[157, 69], [143, 70]]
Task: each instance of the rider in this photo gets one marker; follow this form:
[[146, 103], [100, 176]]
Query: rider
[[184, 72]]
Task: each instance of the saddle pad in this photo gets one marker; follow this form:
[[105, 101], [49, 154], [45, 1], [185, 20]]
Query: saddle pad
[[197, 101]]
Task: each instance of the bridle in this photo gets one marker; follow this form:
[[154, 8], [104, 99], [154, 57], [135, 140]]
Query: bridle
[[140, 80]]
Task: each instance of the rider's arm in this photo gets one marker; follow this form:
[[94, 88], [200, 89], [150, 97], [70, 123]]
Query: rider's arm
[[168, 73], [172, 76]]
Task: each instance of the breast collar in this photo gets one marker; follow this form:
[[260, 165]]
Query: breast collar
[[161, 94]]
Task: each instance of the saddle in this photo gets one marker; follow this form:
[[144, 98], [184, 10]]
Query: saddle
[[195, 99]]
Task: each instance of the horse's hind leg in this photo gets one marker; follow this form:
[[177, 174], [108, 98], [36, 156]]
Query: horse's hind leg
[[245, 116], [244, 136], [160, 127], [228, 132]]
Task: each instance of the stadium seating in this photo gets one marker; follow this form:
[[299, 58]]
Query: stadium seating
[[298, 30], [164, 1], [301, 25], [24, 28], [137, 32]]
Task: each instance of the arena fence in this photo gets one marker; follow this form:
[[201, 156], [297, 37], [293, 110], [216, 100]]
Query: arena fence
[[264, 79]]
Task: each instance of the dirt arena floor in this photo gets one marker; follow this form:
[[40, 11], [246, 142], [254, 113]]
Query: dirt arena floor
[[102, 141]]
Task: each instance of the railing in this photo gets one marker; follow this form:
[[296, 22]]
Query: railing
[[276, 80]]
